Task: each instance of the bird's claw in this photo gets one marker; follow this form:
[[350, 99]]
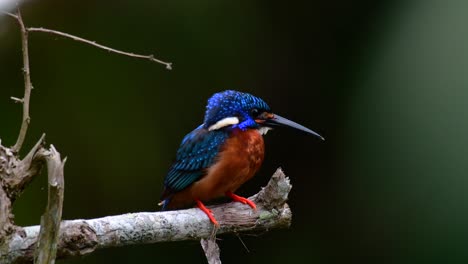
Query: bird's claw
[[241, 199], [208, 212]]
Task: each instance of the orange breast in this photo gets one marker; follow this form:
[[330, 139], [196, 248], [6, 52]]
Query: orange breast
[[237, 162]]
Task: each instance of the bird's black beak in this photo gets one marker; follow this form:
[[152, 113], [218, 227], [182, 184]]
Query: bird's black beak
[[276, 120]]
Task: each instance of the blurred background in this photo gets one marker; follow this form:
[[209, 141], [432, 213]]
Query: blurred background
[[385, 82]]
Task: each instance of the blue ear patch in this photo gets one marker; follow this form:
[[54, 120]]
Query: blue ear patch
[[248, 123]]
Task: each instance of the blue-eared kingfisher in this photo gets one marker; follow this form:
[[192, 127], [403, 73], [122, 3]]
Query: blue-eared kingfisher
[[224, 152]]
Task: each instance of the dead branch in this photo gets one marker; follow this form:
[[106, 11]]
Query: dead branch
[[211, 249], [80, 237], [149, 57], [22, 172], [93, 43], [27, 84], [6, 226], [50, 220]]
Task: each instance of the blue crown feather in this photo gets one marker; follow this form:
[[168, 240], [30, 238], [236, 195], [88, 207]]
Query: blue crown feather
[[231, 103]]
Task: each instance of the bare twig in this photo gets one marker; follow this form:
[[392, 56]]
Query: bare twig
[[86, 41], [80, 237], [27, 84], [50, 221], [243, 243], [93, 43], [27, 73], [9, 14], [17, 100]]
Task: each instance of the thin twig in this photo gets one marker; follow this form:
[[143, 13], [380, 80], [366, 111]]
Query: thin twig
[[93, 43], [9, 14], [242, 241], [89, 42], [27, 73], [17, 100], [27, 85]]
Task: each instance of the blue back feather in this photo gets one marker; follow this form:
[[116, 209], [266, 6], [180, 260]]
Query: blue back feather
[[196, 153]]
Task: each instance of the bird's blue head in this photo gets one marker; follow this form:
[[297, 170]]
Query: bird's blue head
[[235, 109]]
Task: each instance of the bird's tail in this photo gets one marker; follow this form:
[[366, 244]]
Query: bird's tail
[[164, 203]]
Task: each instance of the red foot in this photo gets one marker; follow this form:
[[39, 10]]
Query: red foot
[[240, 199], [208, 212]]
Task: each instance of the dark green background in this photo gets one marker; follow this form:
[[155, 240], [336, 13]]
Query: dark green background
[[385, 83]]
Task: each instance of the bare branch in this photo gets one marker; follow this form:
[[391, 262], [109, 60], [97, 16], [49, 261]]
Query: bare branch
[[27, 73], [50, 220], [211, 250], [93, 43], [15, 174], [27, 84], [5, 215], [80, 237], [6, 157], [7, 164], [86, 41], [4, 208], [23, 171]]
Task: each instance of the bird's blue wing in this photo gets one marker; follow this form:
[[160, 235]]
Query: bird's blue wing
[[196, 153]]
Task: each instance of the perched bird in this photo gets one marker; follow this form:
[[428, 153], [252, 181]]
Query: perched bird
[[216, 158]]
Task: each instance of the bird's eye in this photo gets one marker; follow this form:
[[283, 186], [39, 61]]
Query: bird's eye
[[254, 112]]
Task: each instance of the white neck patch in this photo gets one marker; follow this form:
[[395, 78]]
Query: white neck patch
[[264, 130], [224, 122]]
